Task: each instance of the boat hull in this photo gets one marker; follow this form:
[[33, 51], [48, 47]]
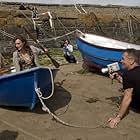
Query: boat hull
[[18, 89], [97, 56]]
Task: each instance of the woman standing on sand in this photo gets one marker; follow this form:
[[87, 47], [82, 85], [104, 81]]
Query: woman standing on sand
[[25, 56]]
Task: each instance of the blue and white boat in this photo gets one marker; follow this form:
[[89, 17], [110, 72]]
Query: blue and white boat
[[19, 89], [98, 51]]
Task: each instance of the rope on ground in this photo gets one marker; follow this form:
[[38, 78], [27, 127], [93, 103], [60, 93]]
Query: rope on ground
[[46, 109]]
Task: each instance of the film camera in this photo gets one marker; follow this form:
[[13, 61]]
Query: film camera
[[113, 67]]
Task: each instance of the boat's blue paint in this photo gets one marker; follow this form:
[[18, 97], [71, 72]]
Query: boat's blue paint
[[98, 55], [18, 89]]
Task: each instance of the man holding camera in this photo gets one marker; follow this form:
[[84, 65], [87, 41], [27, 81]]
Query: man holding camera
[[131, 85]]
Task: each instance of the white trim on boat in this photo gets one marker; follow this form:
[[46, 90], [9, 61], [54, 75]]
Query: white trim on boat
[[106, 42]]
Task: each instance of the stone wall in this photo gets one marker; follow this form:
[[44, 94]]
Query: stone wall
[[122, 23]]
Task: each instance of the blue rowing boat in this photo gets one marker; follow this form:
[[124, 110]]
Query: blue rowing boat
[[98, 51], [19, 89]]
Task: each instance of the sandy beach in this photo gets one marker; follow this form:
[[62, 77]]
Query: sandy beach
[[85, 100]]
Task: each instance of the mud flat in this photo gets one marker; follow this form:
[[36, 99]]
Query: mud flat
[[80, 98]]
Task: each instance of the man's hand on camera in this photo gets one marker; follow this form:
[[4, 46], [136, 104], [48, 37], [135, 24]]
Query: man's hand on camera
[[115, 75]]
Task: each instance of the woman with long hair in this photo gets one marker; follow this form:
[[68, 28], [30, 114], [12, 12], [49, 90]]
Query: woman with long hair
[[25, 56]]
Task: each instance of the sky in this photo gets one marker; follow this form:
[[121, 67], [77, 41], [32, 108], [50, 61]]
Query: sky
[[97, 2]]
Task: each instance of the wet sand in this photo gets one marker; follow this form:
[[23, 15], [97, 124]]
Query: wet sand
[[81, 99]]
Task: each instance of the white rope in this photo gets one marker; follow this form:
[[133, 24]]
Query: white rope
[[50, 17], [50, 20], [46, 109], [77, 9], [83, 9], [78, 31], [52, 83], [30, 19], [55, 38], [64, 27], [131, 29], [34, 24], [26, 16], [41, 14]]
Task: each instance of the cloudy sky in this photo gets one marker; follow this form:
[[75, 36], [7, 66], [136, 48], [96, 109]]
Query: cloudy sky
[[100, 2]]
